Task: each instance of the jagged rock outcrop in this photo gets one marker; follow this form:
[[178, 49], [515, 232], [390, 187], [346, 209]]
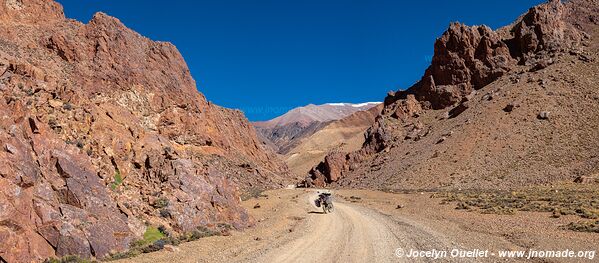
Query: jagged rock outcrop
[[103, 133], [543, 29], [53, 201], [328, 171], [466, 60]]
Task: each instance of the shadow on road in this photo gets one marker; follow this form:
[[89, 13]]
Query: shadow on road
[[315, 212]]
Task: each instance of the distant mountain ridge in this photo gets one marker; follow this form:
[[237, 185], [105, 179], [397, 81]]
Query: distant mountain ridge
[[283, 132], [344, 135], [321, 113]]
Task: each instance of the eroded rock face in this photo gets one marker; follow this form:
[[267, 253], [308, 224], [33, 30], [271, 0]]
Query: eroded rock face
[[543, 29], [102, 133], [468, 58], [54, 199], [330, 170], [465, 60]]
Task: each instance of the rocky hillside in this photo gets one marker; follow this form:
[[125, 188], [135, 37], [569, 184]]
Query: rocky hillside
[[495, 109], [284, 132], [344, 135], [103, 133]]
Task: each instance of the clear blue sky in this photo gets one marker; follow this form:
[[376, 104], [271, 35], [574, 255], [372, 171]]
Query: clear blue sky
[[267, 56]]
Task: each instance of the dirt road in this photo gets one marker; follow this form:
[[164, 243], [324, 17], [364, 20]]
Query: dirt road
[[367, 229], [353, 234]]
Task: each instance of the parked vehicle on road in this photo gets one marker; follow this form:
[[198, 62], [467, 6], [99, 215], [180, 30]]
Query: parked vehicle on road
[[325, 200]]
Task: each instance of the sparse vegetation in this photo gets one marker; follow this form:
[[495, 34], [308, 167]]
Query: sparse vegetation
[[584, 226], [68, 259], [580, 200], [251, 193], [153, 240], [118, 180], [462, 206], [200, 232], [161, 202], [122, 255], [156, 238], [224, 227], [152, 235]]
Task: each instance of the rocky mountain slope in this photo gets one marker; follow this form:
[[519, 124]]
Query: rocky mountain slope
[[284, 132], [344, 135], [495, 109], [103, 133]]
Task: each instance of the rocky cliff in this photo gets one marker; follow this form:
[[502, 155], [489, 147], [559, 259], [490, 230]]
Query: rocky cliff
[[495, 109], [103, 133]]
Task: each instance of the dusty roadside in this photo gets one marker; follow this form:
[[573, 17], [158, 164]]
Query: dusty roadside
[[370, 227], [523, 230]]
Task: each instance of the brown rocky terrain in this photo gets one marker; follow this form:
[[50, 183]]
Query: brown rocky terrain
[[103, 134], [285, 132], [344, 135], [496, 109]]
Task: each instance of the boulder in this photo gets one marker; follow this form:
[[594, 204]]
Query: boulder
[[334, 165], [510, 106], [543, 115], [408, 108], [586, 180]]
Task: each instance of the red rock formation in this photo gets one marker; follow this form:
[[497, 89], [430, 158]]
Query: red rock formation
[[328, 171], [465, 59], [543, 28], [103, 132]]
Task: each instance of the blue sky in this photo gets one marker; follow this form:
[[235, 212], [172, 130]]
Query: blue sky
[[267, 56]]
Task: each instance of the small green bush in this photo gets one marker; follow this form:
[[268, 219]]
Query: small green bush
[[161, 202], [152, 235], [155, 239], [118, 180]]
